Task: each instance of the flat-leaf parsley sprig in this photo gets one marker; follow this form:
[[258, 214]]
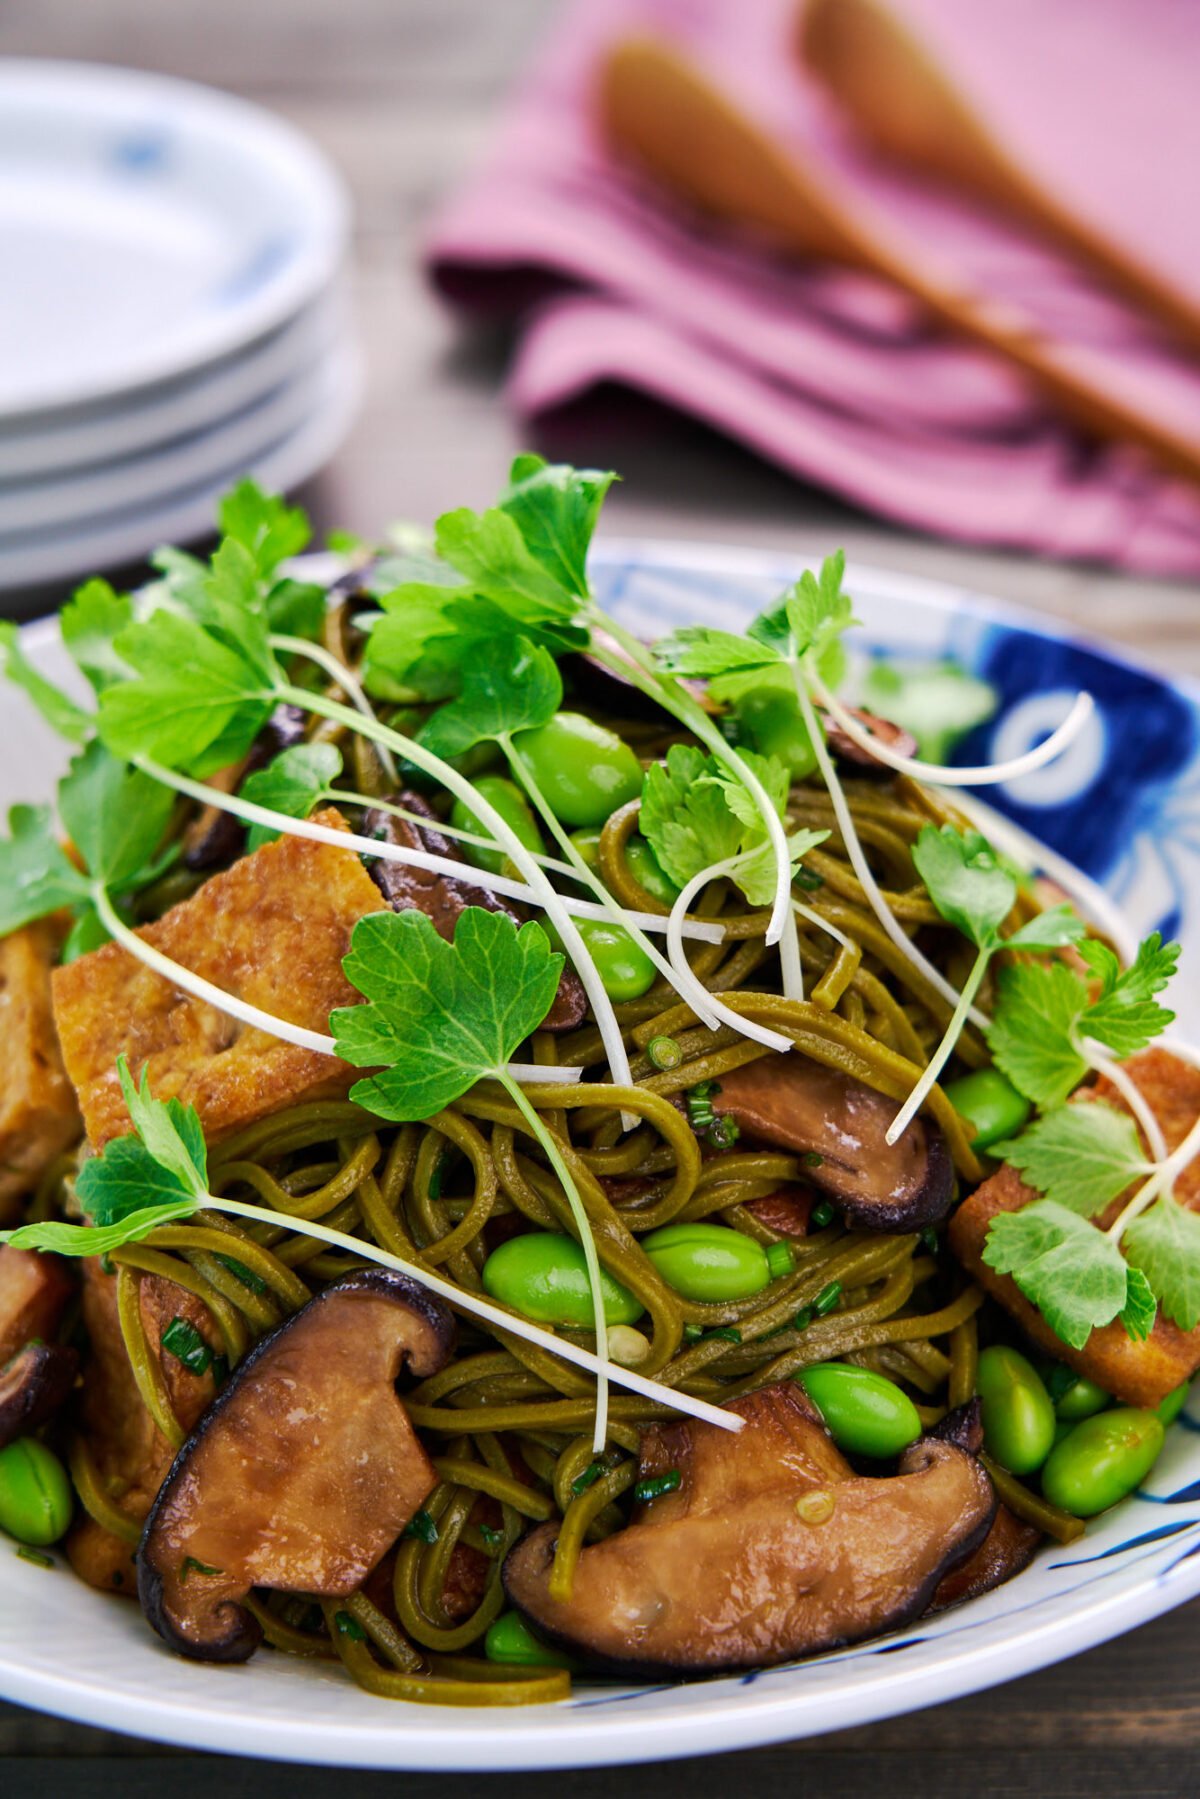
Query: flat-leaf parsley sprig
[[975, 892], [159, 1174]]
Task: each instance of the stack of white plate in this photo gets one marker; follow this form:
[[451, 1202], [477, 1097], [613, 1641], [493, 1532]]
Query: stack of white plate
[[171, 314]]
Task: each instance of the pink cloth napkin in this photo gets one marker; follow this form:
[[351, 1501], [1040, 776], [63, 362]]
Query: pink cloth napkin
[[837, 376]]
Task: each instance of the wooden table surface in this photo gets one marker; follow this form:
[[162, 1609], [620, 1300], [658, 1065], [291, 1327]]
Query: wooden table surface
[[401, 93]]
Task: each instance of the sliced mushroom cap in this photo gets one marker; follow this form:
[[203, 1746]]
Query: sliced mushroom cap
[[771, 1547], [303, 1471], [33, 1386], [845, 749], [792, 1102], [1007, 1549], [34, 1291], [443, 898]]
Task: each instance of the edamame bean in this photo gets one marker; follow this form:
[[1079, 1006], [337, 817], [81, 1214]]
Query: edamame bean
[[1102, 1460], [36, 1501], [865, 1412], [1170, 1407], [509, 1639], [769, 720], [711, 1262], [1018, 1416], [1080, 1399], [588, 844], [583, 770], [644, 867], [624, 967], [543, 1275], [990, 1104], [508, 800]]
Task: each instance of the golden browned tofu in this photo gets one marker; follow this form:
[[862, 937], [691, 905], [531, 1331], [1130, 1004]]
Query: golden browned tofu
[[272, 930], [1140, 1374], [38, 1114]]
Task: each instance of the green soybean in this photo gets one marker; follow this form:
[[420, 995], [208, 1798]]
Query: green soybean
[[1080, 1399], [645, 868], [36, 1501], [710, 1262], [583, 770], [624, 967], [770, 721], [990, 1104], [543, 1276], [1170, 1407], [1018, 1415], [865, 1412], [588, 844], [509, 1639], [508, 800], [1102, 1460]]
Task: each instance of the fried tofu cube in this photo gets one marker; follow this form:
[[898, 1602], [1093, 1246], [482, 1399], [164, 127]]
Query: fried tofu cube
[[1139, 1374], [271, 930], [38, 1114]]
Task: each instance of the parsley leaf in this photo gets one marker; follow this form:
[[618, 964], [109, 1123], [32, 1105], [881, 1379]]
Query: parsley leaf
[[1079, 1156], [1044, 1013], [1074, 1274], [512, 685], [1140, 1308], [264, 524], [938, 702], [1032, 1032], [1165, 1244], [1125, 1015], [294, 782], [967, 881], [694, 815], [440, 1016], [90, 621], [197, 704], [36, 877], [488, 549], [555, 508], [116, 817], [58, 709]]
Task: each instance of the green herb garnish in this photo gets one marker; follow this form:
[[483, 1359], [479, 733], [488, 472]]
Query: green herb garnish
[[421, 1526], [182, 1340], [657, 1485]]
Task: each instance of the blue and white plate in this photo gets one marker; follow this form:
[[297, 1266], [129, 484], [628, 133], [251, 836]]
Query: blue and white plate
[[150, 227], [1125, 805]]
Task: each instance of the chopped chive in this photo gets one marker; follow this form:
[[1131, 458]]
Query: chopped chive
[[220, 1370], [780, 1260], [827, 1298], [182, 1340], [692, 1333], [421, 1526], [812, 1158], [107, 1265], [192, 1566], [657, 1485], [803, 1318], [588, 1478], [808, 877], [349, 1626], [724, 1333], [240, 1272], [492, 1538], [821, 1215], [929, 1239], [435, 1179], [723, 1133], [663, 1052], [35, 1556]]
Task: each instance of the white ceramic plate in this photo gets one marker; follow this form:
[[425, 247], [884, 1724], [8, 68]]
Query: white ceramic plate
[[83, 437], [185, 511], [150, 226], [1128, 806]]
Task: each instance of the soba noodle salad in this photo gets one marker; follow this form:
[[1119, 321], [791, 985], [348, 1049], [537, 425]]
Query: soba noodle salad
[[532, 1154]]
